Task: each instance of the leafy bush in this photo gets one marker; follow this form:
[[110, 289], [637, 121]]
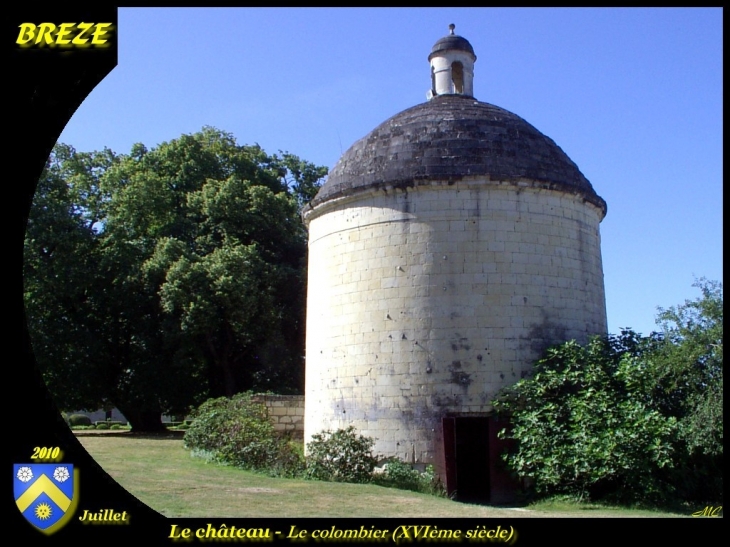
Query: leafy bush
[[398, 474], [79, 419], [237, 431], [628, 418], [582, 430], [234, 429], [118, 426], [341, 456], [289, 460], [102, 425]]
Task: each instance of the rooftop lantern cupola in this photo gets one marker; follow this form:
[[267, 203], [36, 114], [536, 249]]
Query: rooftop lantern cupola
[[452, 66]]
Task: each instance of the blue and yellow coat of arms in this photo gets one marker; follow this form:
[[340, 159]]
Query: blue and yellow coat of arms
[[46, 493]]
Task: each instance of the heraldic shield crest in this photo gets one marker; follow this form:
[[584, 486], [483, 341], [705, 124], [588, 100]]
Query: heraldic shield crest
[[46, 494]]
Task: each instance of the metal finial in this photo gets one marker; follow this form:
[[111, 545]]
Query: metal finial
[[452, 26]]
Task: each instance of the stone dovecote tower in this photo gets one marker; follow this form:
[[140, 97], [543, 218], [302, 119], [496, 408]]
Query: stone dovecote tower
[[447, 249]]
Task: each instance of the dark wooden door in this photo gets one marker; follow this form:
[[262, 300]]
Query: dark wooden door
[[466, 458]]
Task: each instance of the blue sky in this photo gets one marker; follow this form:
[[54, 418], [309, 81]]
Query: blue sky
[[633, 96]]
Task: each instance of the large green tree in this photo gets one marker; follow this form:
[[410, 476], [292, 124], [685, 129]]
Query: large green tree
[[683, 378], [61, 279], [179, 274], [687, 368]]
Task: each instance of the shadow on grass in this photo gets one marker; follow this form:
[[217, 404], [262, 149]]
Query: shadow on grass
[[162, 435], [486, 503]]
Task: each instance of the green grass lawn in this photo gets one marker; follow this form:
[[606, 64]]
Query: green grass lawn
[[163, 475]]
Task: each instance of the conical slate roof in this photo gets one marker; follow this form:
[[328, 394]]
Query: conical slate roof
[[447, 139]]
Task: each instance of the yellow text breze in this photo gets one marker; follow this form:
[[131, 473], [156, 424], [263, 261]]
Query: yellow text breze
[[64, 35]]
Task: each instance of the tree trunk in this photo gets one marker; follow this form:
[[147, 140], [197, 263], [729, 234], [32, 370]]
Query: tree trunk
[[143, 421]]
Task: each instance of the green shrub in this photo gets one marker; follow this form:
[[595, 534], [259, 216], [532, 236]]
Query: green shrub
[[398, 474], [78, 419], [230, 428], [102, 425], [289, 460], [118, 426], [341, 455], [583, 430], [237, 431]]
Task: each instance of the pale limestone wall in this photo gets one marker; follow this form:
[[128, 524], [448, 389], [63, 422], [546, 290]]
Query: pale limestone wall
[[286, 413], [427, 301]]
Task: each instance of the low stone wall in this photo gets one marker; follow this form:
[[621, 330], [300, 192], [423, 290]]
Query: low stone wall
[[286, 413]]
